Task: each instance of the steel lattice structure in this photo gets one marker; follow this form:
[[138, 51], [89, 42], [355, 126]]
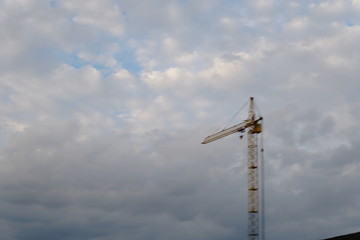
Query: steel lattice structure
[[253, 126], [253, 179]]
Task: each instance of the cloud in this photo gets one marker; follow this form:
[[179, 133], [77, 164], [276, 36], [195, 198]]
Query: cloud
[[104, 105], [103, 15], [71, 183]]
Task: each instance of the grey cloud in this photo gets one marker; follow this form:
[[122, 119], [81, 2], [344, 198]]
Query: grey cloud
[[77, 186], [64, 187], [88, 153]]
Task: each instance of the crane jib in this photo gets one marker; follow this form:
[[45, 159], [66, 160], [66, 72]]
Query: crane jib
[[228, 131]]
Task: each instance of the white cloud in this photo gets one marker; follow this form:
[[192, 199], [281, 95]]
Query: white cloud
[[226, 74], [170, 46], [104, 105], [179, 81], [298, 24], [105, 58], [97, 14], [158, 113], [329, 7], [263, 4]]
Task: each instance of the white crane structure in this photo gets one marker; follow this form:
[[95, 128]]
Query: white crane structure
[[253, 125]]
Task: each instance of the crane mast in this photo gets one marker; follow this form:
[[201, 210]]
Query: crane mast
[[253, 178], [253, 127]]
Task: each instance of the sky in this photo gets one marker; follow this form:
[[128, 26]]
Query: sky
[[104, 104]]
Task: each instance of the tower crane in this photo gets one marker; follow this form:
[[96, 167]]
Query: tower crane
[[253, 125]]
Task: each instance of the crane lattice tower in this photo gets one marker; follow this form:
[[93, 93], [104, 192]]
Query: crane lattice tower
[[253, 126]]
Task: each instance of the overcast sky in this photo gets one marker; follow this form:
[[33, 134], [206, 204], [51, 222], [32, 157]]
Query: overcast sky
[[104, 103]]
